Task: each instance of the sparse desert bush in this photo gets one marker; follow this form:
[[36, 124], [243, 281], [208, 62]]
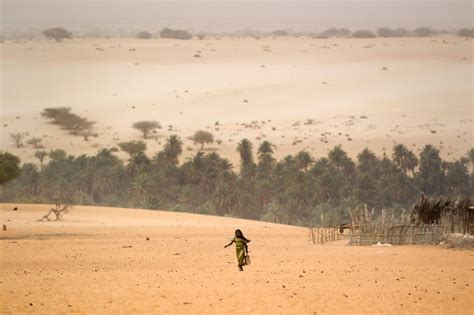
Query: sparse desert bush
[[132, 147], [35, 142], [17, 139], [466, 32], [280, 33], [424, 32], [334, 32], [175, 34], [9, 167], [203, 137], [146, 127], [57, 33], [144, 35], [363, 34], [388, 32]]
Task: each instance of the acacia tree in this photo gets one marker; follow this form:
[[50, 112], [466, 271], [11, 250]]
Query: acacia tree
[[146, 126], [76, 125], [56, 114], [132, 147], [203, 137], [57, 33]]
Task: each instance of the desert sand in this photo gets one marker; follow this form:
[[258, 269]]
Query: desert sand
[[98, 260], [300, 93]]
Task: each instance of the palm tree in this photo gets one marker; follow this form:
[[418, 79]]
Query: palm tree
[[246, 157], [138, 162], [265, 148], [431, 170], [411, 162], [225, 195], [399, 156], [341, 160], [470, 156], [142, 186], [40, 155], [266, 162], [304, 160], [368, 161], [457, 178], [173, 149], [104, 172]]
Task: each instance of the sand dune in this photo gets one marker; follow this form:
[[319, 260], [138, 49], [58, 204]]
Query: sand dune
[[99, 261], [412, 91]]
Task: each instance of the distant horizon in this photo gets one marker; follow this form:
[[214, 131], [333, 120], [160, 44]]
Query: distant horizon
[[125, 17]]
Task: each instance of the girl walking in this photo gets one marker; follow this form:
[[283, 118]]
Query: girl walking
[[241, 248]]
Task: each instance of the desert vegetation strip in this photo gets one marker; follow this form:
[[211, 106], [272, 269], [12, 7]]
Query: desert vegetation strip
[[75, 124], [298, 189]]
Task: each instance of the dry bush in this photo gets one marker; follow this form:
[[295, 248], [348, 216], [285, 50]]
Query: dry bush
[[466, 32], [17, 139], [35, 142], [363, 34], [280, 33], [175, 34], [59, 210], [388, 32], [424, 32], [144, 35], [334, 32]]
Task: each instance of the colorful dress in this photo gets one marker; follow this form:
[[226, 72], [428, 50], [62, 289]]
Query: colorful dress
[[240, 250]]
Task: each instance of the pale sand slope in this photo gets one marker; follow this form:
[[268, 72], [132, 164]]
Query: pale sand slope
[[424, 94], [81, 266]]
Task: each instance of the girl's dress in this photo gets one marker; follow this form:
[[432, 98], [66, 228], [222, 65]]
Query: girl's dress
[[240, 250]]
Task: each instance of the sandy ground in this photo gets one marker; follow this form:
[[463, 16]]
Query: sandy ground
[[357, 92], [99, 261]]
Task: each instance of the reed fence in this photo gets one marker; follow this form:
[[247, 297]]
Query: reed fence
[[324, 235]]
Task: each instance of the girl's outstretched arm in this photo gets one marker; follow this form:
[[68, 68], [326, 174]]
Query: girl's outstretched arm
[[231, 242]]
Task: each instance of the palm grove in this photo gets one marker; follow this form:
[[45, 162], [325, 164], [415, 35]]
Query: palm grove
[[297, 189]]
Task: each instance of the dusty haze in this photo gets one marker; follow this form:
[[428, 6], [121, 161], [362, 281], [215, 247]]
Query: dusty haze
[[126, 17]]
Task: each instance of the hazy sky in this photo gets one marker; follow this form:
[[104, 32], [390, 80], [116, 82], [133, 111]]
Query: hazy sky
[[122, 16]]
